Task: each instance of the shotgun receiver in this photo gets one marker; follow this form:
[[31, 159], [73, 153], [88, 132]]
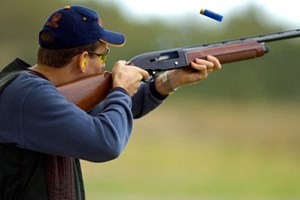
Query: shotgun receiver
[[88, 92]]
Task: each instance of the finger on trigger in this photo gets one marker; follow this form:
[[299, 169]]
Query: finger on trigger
[[144, 73]]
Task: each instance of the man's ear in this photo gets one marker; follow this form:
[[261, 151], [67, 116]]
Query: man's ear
[[82, 61]]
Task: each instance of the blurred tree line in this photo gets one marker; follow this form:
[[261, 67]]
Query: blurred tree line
[[272, 77]]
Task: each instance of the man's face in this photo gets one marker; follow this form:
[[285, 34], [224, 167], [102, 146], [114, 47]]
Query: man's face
[[96, 59]]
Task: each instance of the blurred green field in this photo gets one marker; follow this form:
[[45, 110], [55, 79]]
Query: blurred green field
[[215, 150]]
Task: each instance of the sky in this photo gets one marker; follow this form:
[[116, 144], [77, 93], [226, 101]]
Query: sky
[[284, 12]]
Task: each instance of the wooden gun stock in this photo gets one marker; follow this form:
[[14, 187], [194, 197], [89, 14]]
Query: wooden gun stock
[[87, 92]]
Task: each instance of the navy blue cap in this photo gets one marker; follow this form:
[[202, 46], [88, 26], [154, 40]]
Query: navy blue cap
[[75, 26]]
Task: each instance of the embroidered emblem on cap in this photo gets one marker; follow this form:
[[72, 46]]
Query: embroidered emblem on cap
[[54, 19]]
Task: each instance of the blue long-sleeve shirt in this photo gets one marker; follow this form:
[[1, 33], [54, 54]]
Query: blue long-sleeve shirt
[[35, 116], [43, 136]]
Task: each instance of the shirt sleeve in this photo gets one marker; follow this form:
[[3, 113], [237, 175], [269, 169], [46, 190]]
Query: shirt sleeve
[[146, 99], [51, 125]]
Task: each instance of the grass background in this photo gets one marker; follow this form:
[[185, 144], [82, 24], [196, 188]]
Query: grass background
[[205, 150]]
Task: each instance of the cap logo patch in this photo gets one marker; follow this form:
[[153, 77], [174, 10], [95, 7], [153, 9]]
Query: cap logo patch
[[53, 21]]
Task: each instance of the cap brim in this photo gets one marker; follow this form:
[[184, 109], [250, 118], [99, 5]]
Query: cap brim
[[113, 38]]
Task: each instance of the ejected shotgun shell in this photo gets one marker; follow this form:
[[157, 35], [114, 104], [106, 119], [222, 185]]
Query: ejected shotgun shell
[[211, 14]]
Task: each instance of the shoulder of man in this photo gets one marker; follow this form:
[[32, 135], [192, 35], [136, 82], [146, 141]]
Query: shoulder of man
[[11, 71]]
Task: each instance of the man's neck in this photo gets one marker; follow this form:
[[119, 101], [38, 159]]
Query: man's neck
[[57, 76]]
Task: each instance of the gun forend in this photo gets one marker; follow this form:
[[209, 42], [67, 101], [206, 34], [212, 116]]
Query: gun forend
[[230, 52]]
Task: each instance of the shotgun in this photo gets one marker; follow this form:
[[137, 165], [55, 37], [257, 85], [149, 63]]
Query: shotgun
[[88, 92]]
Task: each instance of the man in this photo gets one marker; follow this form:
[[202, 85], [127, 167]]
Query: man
[[43, 136]]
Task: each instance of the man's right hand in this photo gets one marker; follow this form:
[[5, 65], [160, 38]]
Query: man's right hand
[[128, 77]]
